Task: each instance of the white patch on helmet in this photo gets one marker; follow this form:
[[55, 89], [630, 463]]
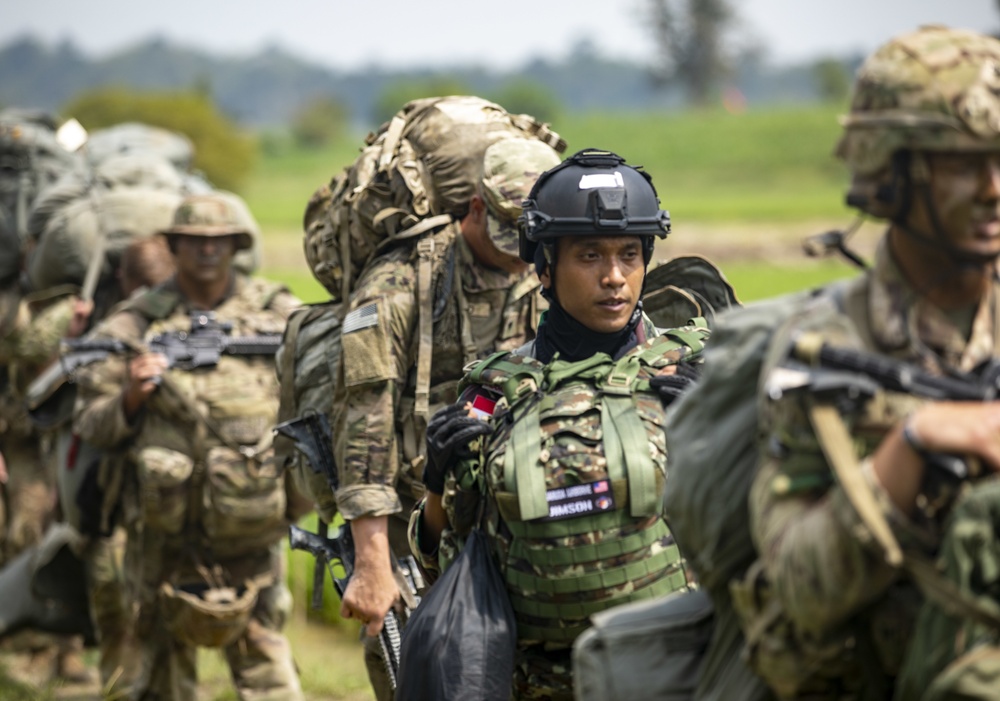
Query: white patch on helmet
[[595, 180]]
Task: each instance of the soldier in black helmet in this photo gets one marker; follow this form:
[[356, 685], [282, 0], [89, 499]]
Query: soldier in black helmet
[[573, 518]]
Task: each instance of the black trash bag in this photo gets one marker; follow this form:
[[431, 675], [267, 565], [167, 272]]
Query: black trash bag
[[459, 642]]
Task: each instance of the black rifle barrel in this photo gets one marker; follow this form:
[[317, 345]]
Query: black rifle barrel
[[904, 377]]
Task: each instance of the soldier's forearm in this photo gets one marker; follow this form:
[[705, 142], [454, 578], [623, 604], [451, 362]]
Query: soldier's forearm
[[371, 542]]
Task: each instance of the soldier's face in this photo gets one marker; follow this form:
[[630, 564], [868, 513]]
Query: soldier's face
[[203, 259], [598, 279], [965, 192]]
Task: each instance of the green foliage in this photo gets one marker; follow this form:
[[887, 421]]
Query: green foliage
[[833, 80], [397, 94], [522, 96], [319, 121], [222, 152]]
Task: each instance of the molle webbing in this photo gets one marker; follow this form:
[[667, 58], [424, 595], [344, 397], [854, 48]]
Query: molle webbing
[[559, 577]]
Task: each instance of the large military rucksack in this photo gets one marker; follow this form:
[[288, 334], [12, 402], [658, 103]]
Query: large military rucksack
[[415, 175], [306, 364], [576, 469], [31, 160], [130, 193], [712, 437]]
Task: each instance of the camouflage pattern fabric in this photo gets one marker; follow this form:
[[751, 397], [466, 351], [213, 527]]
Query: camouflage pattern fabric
[[419, 172], [554, 567], [243, 527], [845, 617], [379, 445], [937, 89], [510, 169], [379, 441], [28, 341]]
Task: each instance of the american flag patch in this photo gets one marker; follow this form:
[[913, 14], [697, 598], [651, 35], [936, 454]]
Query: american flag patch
[[360, 318]]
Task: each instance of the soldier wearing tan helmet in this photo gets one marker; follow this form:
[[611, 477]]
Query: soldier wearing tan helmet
[[852, 499], [204, 508]]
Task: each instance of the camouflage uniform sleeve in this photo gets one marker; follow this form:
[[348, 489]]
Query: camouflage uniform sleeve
[[428, 561], [818, 555], [99, 415], [378, 347]]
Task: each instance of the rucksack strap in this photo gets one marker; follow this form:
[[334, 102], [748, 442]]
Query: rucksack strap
[[839, 449], [425, 269], [286, 400]]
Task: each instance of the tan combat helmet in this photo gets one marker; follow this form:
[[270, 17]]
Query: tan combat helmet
[[216, 213], [936, 89]]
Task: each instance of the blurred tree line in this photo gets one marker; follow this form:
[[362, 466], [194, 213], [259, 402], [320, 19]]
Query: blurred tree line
[[703, 52]]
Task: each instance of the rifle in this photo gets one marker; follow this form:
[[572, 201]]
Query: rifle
[[313, 437], [201, 346], [341, 549], [851, 377]]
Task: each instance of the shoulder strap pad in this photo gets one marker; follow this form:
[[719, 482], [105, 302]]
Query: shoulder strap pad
[[514, 375]]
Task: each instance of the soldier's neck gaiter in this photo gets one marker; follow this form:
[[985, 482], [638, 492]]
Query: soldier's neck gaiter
[[561, 333]]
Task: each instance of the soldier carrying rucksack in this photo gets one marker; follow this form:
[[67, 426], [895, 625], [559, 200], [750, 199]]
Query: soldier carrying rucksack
[[570, 462], [415, 241], [843, 510]]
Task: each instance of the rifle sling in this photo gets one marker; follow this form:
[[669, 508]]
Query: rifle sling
[[838, 448]]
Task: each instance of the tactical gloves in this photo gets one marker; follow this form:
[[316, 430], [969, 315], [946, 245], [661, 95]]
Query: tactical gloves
[[670, 387], [449, 433]]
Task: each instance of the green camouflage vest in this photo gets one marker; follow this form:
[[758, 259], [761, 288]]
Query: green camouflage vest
[[576, 471]]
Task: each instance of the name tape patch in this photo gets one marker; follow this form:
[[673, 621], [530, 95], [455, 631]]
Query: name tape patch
[[579, 500], [360, 318]]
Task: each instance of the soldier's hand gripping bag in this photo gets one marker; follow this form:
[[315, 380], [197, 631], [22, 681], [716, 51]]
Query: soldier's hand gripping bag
[[458, 644]]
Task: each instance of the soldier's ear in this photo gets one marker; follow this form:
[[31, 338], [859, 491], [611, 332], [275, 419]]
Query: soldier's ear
[[545, 277]]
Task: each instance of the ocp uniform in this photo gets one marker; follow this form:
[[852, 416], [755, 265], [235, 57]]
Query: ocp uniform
[[195, 501], [418, 315], [379, 420], [845, 624]]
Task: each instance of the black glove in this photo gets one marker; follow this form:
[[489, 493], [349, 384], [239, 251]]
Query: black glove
[[669, 387], [449, 433]]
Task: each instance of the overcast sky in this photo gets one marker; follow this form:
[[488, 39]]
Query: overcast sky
[[349, 34]]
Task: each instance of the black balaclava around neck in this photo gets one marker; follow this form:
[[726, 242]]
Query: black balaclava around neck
[[561, 333]]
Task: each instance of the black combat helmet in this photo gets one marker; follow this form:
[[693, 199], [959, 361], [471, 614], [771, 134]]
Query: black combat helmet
[[593, 193]]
